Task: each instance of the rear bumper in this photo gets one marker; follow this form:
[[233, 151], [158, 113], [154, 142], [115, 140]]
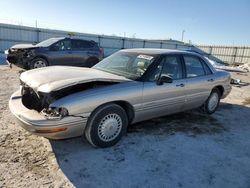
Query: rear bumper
[[37, 124]]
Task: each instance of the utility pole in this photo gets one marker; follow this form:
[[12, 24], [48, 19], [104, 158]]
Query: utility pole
[[182, 35]]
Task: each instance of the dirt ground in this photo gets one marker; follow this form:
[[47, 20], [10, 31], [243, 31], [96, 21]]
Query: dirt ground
[[183, 150]]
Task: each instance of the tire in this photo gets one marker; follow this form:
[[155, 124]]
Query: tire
[[38, 63], [212, 103], [106, 125]]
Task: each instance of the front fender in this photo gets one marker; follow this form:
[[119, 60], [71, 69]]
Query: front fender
[[86, 101]]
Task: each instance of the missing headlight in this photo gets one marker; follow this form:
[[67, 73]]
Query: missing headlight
[[54, 113], [28, 54]]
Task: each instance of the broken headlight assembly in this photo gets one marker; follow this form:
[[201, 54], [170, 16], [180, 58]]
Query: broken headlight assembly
[[28, 54], [54, 113]]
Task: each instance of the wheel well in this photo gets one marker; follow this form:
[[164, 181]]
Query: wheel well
[[92, 60], [125, 105], [43, 57], [220, 88], [128, 108]]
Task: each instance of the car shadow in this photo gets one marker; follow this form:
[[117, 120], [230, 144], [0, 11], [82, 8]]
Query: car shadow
[[191, 122], [86, 166]]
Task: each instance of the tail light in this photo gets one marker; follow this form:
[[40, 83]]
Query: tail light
[[101, 51]]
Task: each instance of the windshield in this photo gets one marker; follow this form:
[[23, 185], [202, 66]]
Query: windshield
[[48, 42], [127, 64]]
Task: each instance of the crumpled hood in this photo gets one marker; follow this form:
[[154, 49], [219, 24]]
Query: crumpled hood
[[23, 46], [58, 77]]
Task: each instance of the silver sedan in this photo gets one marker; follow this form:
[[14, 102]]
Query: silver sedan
[[129, 86]]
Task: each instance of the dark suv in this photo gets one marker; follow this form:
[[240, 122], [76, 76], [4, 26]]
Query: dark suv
[[55, 51]]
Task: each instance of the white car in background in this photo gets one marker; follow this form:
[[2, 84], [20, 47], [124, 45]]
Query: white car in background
[[224, 67]]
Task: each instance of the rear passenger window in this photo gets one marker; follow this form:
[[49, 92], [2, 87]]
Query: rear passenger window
[[81, 44], [194, 67], [207, 69]]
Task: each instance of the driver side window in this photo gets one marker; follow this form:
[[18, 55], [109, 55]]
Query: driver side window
[[62, 45], [169, 66]]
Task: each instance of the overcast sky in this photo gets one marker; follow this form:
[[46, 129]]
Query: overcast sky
[[220, 22]]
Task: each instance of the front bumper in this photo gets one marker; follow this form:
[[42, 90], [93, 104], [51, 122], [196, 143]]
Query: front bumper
[[22, 62], [36, 123]]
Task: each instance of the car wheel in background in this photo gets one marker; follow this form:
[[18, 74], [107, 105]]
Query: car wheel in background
[[106, 125], [212, 103], [38, 63]]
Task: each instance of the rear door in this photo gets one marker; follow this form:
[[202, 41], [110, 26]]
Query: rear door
[[60, 53], [199, 81], [81, 51], [167, 98]]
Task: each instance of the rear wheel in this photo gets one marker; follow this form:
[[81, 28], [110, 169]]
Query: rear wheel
[[38, 63], [212, 103], [91, 62], [106, 125]]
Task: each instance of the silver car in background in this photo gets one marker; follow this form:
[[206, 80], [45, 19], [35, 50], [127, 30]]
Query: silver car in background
[[129, 86]]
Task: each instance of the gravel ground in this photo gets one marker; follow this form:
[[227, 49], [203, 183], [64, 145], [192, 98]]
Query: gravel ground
[[183, 150]]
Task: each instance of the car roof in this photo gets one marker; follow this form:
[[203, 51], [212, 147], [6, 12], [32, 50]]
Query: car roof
[[157, 51], [59, 38], [75, 38]]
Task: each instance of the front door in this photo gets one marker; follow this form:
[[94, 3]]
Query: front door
[[60, 53], [168, 98]]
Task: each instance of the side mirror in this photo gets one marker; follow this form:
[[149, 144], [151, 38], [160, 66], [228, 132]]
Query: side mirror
[[164, 79]]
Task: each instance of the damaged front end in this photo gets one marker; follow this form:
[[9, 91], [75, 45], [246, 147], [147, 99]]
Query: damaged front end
[[20, 57], [54, 123], [55, 113], [40, 101], [39, 105]]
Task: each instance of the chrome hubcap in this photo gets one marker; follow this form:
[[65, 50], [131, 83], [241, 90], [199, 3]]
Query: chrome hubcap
[[213, 101], [109, 127], [39, 64]]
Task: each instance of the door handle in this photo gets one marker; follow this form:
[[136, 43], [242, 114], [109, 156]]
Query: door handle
[[210, 80], [180, 85]]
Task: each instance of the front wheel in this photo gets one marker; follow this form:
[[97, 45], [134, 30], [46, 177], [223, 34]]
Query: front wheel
[[106, 125], [38, 63], [212, 103]]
